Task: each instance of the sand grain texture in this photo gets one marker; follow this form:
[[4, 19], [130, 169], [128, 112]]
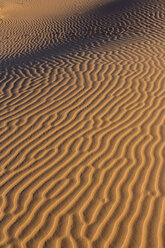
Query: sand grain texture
[[82, 126]]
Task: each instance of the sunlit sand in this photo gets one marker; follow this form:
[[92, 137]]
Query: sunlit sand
[[82, 124]]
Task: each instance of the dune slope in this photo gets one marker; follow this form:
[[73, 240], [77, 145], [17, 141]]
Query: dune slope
[[82, 128]]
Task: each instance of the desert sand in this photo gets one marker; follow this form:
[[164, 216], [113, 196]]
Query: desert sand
[[82, 124]]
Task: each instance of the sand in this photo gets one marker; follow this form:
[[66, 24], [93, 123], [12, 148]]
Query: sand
[[82, 124]]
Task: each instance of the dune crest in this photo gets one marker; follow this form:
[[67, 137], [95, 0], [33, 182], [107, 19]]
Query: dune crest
[[56, 8]]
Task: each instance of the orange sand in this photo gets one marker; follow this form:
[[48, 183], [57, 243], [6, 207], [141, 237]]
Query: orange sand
[[82, 124]]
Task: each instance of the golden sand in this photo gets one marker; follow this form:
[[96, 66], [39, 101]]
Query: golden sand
[[82, 124]]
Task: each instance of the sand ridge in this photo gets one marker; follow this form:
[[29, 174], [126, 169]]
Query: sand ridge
[[22, 35], [82, 135]]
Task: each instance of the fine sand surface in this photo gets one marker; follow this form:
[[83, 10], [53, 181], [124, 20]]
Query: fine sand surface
[[82, 124]]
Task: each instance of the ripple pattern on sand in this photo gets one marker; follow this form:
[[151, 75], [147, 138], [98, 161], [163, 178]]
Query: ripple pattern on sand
[[82, 146]]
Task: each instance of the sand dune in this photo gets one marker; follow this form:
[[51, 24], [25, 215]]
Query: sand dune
[[82, 127]]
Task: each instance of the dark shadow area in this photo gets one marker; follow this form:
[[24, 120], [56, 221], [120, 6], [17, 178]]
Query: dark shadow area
[[111, 22]]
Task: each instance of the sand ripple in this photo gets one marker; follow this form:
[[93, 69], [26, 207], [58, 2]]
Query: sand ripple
[[82, 134]]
